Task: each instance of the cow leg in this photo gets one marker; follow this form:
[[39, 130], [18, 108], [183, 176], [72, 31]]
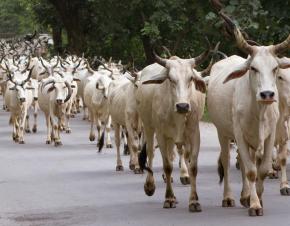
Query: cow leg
[[148, 147], [108, 129], [166, 149], [193, 149], [282, 160], [119, 166], [245, 194], [92, 136], [251, 173], [22, 119], [224, 165], [133, 146], [48, 126], [184, 176], [263, 165], [126, 147], [67, 127], [34, 129], [14, 122], [27, 126]]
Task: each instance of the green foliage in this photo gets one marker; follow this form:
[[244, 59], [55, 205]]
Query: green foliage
[[127, 29]]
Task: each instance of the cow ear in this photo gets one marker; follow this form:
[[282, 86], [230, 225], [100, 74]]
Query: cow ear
[[50, 89], [239, 71], [99, 86], [154, 79], [12, 88], [200, 85], [284, 62]]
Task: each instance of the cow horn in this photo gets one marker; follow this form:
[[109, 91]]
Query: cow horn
[[206, 71], [89, 67], [241, 41], [283, 46], [75, 68], [40, 58], [27, 65], [159, 60], [47, 83], [105, 67], [8, 73], [167, 51], [29, 76], [69, 92], [202, 57], [57, 61]]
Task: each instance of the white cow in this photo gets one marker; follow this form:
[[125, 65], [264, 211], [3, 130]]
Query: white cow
[[53, 95], [123, 110], [243, 105], [18, 97], [170, 104], [96, 100]]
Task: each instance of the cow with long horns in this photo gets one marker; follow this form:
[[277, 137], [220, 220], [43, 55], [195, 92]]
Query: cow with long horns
[[170, 103], [53, 96], [18, 97], [243, 105]]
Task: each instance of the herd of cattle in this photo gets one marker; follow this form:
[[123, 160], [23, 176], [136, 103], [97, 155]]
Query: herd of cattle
[[248, 101]]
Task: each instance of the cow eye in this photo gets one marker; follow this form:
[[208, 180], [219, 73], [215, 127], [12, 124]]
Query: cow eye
[[280, 78], [275, 70], [254, 69]]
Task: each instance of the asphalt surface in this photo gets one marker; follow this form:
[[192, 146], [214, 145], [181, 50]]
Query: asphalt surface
[[41, 185]]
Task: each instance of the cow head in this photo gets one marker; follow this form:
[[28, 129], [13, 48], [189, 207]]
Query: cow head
[[61, 88], [263, 65], [283, 85], [181, 77], [18, 84]]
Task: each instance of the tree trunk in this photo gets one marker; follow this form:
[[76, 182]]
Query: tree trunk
[[148, 50], [70, 14], [57, 39]]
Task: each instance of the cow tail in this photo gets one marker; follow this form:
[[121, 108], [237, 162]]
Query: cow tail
[[142, 159], [220, 170], [101, 141]]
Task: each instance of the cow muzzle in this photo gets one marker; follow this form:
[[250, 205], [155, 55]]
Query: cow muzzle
[[59, 101], [267, 97], [182, 108], [22, 100]]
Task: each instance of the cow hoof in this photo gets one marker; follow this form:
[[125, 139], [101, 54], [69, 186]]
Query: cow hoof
[[72, 116], [131, 166], [68, 131], [184, 180], [169, 203], [273, 175], [149, 189], [34, 130], [285, 191], [194, 207], [276, 166], [48, 142], [255, 212], [228, 202], [109, 146], [164, 178], [245, 202], [27, 131], [92, 137], [78, 111], [119, 168], [238, 165], [138, 171], [57, 143], [21, 142]]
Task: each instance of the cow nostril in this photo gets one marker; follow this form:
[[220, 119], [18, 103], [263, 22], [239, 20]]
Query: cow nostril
[[35, 98], [182, 107], [59, 101], [22, 99], [267, 95]]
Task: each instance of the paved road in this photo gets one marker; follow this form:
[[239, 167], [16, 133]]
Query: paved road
[[71, 185]]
